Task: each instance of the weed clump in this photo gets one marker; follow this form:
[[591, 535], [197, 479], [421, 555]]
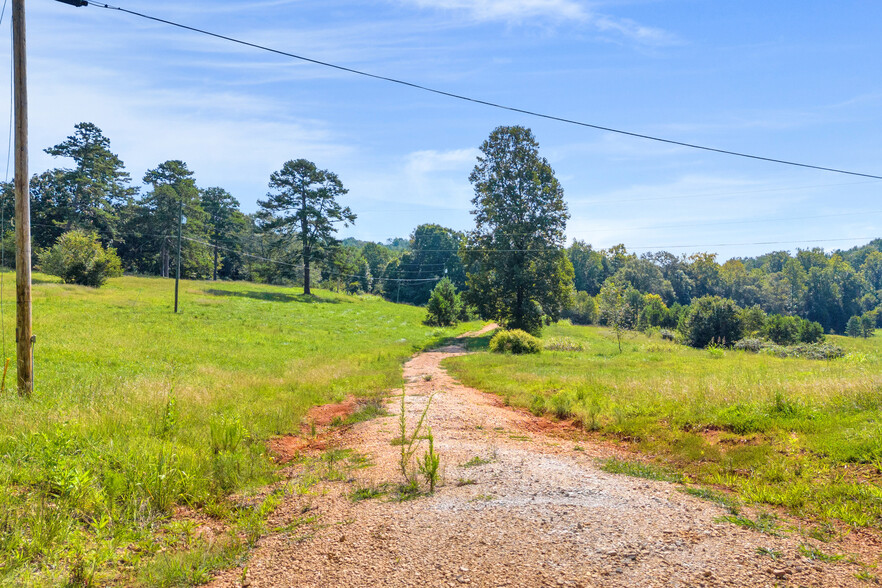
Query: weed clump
[[637, 469], [564, 344], [562, 405], [537, 405], [818, 350], [515, 341]]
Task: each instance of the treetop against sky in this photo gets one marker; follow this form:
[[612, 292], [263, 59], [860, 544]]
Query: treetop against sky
[[778, 80]]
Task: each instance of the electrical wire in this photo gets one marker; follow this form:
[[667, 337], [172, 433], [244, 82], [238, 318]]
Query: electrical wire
[[479, 101], [301, 268]]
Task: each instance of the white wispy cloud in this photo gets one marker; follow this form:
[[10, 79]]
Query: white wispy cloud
[[559, 11], [517, 10], [424, 162]]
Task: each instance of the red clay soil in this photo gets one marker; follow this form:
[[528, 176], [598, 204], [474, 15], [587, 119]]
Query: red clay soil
[[522, 503]]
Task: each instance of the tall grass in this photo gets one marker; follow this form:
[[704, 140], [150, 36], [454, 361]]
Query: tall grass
[[138, 412], [803, 434]]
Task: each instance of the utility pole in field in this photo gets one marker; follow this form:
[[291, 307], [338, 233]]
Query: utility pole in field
[[180, 230], [24, 337]]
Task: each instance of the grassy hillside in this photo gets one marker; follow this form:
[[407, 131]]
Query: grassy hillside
[[802, 434], [138, 411]]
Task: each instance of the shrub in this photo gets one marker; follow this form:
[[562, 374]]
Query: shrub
[[564, 344], [654, 314], [515, 341], [78, 258], [810, 332], [753, 320], [783, 330], [444, 306], [582, 310], [537, 405], [854, 328], [711, 319], [868, 324]]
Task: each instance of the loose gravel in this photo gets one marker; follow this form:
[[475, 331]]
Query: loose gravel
[[532, 510]]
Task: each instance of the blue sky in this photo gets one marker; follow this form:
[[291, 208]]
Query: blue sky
[[791, 80]]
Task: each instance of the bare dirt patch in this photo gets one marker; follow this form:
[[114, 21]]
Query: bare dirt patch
[[522, 504]]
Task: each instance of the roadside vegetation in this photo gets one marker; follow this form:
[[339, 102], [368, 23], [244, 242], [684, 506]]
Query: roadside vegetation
[[799, 433], [143, 423]]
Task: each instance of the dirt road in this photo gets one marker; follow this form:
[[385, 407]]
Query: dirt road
[[521, 505]]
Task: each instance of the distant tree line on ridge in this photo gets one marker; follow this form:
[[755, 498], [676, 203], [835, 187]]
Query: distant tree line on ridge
[[290, 240]]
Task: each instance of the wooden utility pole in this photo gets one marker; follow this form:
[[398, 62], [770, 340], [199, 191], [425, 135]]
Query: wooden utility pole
[[180, 229], [23, 331]]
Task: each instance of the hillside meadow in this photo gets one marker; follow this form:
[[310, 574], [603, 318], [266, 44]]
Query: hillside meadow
[[801, 434], [138, 412]]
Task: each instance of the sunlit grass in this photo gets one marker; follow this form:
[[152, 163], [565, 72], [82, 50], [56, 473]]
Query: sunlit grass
[[802, 434], [138, 411]]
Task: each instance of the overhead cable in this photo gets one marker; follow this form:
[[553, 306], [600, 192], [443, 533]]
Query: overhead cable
[[468, 98]]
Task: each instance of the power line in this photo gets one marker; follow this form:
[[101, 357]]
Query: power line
[[300, 266], [504, 250], [735, 222], [719, 194], [467, 98]]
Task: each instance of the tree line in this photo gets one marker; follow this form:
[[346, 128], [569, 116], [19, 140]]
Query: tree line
[[514, 266]]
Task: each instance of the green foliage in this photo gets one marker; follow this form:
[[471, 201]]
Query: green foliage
[[763, 523], [654, 313], [588, 266], [135, 415], [712, 319], [444, 306], [855, 327], [89, 197], [787, 330], [564, 344], [78, 258], [429, 463], [430, 255], [868, 324], [783, 330], [518, 271], [152, 220], [810, 332], [639, 469], [582, 309], [788, 430], [304, 206], [537, 405], [614, 309], [515, 341], [726, 501], [753, 320], [224, 223]]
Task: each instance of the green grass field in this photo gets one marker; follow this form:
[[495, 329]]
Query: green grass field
[[138, 411], [805, 435]]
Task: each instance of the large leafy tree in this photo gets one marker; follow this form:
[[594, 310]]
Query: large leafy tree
[[518, 270], [588, 267], [304, 206], [224, 222], [153, 222], [433, 255], [88, 196]]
